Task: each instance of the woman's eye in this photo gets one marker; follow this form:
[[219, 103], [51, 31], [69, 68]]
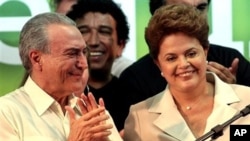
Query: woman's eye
[[170, 59], [191, 54]]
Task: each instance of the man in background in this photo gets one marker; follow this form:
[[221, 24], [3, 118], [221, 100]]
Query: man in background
[[105, 29], [120, 63], [64, 6]]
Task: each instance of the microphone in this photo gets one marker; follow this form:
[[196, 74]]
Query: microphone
[[217, 131]]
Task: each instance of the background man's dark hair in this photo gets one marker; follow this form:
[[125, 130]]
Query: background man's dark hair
[[102, 6], [155, 4]]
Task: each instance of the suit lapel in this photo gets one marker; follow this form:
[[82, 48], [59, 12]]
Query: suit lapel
[[170, 121], [224, 97]]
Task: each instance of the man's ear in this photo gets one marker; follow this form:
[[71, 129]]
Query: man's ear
[[35, 58], [120, 48]]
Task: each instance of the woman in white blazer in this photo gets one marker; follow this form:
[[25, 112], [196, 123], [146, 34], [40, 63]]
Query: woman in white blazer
[[194, 100]]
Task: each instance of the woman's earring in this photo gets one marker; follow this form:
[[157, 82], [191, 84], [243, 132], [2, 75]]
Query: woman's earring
[[162, 74]]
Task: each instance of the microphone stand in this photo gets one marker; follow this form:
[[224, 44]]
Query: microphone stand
[[217, 131]]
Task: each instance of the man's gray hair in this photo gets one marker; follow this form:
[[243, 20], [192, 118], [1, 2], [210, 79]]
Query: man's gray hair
[[34, 34]]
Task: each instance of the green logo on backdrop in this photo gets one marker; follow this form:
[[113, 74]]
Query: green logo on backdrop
[[13, 14]]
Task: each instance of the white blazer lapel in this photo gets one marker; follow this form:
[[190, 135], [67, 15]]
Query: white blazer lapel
[[224, 96], [170, 121]]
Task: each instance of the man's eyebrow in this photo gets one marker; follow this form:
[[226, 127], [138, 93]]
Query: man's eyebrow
[[82, 26], [106, 26], [101, 26], [71, 49]]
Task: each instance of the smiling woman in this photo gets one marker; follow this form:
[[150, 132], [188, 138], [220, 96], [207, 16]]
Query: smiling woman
[[193, 99]]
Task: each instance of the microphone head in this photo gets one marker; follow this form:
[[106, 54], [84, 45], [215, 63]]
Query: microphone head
[[245, 111]]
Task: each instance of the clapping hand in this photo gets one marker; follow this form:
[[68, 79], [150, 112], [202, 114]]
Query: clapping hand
[[228, 75], [91, 126]]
